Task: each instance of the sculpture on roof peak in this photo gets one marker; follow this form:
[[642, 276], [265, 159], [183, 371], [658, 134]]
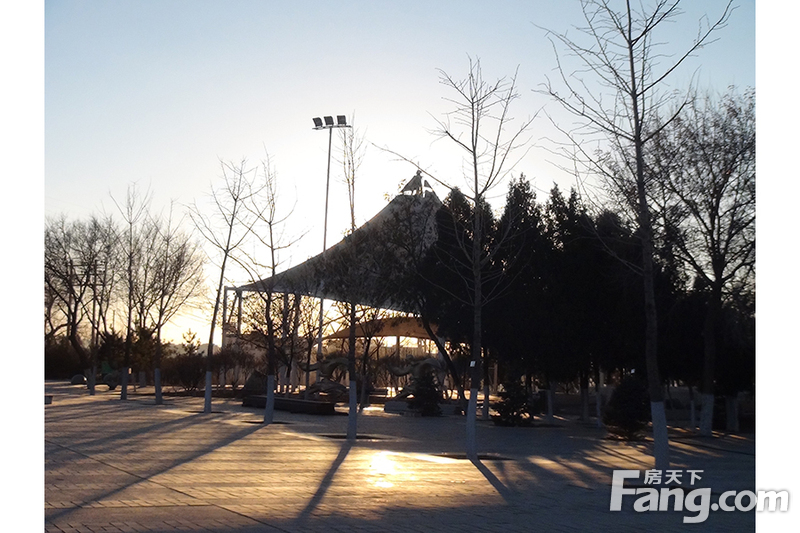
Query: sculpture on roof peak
[[417, 185]]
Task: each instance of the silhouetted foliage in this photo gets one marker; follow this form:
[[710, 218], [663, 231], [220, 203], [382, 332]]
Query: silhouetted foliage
[[736, 359], [516, 407], [186, 369], [111, 351], [143, 349], [60, 359], [628, 410], [427, 396]]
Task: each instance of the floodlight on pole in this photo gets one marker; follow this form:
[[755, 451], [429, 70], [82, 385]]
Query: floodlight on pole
[[341, 122]]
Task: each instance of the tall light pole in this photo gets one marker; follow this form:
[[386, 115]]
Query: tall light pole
[[325, 123]]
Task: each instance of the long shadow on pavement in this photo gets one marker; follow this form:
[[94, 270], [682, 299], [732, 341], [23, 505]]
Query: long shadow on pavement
[[498, 485], [194, 419], [324, 485]]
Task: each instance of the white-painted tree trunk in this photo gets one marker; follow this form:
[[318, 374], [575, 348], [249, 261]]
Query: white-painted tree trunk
[[598, 407], [157, 383], [472, 415], [707, 415], [732, 414], [551, 401], [584, 404], [207, 396], [660, 436], [294, 377], [281, 381], [89, 380], [352, 418], [124, 383], [269, 407], [485, 407]]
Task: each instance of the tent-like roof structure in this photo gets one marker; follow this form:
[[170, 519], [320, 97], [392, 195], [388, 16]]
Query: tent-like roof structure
[[400, 326], [355, 269]]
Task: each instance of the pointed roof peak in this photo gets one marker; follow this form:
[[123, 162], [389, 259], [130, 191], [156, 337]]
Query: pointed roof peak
[[417, 185]]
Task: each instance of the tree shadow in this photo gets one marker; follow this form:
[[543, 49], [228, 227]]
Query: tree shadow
[[145, 434], [498, 485], [324, 485]]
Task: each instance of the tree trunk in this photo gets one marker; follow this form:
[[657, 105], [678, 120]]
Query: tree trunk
[[658, 415], [269, 407], [598, 407], [157, 369], [352, 418], [307, 372], [209, 382], [657, 411], [475, 377], [365, 375], [706, 414], [709, 357], [732, 414], [584, 379], [477, 326], [486, 392], [74, 341], [450, 366], [126, 365], [598, 397]]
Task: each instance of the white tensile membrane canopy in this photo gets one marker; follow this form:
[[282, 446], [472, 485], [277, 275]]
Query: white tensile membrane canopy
[[355, 269]]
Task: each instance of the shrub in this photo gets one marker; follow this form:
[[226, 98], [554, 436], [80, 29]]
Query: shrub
[[515, 407], [60, 359], [628, 410], [187, 370], [426, 396]]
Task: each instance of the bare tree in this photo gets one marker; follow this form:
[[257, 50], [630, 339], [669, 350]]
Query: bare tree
[[145, 297], [225, 229], [265, 209], [352, 155], [134, 212], [307, 316], [177, 280], [371, 324], [616, 93], [75, 259], [479, 125], [703, 164], [353, 151]]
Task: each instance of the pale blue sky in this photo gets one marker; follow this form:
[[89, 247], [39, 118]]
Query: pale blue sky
[[158, 91]]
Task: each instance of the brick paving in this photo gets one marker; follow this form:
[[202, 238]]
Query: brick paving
[[113, 466]]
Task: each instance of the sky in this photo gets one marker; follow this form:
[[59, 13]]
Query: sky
[[161, 92], [158, 92], [101, 94]]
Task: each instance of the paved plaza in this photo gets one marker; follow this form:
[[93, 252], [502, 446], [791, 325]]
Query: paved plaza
[[115, 466]]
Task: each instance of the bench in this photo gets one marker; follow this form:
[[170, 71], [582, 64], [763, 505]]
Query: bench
[[292, 405]]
